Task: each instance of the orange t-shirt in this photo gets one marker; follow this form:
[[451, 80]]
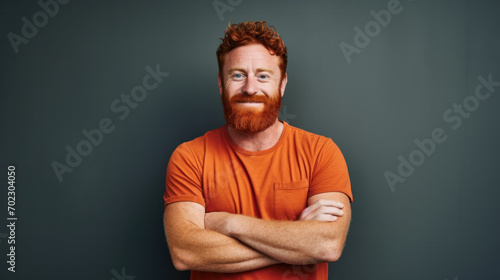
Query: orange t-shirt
[[273, 184]]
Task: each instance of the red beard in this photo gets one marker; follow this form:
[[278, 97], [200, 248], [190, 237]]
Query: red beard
[[248, 119]]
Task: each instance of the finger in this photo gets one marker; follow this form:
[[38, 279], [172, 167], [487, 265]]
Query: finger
[[311, 209], [322, 210], [329, 202], [331, 210], [327, 210], [327, 218], [318, 204], [322, 217], [324, 202], [304, 213]]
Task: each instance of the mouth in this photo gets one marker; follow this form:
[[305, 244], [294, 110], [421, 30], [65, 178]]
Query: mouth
[[249, 103]]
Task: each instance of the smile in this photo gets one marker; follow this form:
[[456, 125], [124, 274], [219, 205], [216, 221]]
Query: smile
[[250, 103]]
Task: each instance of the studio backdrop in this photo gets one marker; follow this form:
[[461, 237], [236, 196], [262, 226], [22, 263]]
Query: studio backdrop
[[96, 95]]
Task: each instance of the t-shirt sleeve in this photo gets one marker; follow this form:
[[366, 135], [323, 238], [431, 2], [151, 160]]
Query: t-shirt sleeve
[[330, 172], [184, 177]]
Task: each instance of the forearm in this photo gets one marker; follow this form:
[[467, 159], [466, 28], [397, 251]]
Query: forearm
[[319, 235], [195, 248], [293, 242], [206, 250]]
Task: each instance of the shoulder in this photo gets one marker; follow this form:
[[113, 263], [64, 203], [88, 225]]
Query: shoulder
[[196, 148], [312, 141]]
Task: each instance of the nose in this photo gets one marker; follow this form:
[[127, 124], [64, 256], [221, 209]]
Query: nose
[[250, 86]]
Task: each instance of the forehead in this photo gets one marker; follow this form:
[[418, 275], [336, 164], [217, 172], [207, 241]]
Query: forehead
[[253, 56]]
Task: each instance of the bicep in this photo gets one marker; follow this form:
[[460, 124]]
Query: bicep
[[181, 216], [337, 196], [183, 221], [192, 247], [342, 223]]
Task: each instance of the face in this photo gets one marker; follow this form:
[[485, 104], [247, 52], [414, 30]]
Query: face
[[251, 88]]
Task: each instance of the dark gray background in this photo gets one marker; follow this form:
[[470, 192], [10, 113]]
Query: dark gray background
[[441, 223]]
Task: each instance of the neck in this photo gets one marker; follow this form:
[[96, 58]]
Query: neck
[[259, 141]]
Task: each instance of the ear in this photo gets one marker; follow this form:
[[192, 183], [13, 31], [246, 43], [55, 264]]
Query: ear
[[220, 83], [283, 84]]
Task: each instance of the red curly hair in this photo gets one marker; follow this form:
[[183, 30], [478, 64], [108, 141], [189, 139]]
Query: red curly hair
[[246, 33]]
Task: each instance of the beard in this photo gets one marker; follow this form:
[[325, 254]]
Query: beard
[[248, 119]]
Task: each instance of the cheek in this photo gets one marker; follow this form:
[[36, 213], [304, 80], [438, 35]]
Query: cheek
[[271, 89], [232, 87]]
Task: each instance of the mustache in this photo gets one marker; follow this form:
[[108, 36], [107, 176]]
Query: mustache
[[249, 98]]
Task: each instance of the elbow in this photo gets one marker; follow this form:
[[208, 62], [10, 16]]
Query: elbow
[[180, 260], [334, 255], [179, 264], [331, 252]]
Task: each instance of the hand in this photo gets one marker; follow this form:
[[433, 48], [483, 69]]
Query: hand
[[322, 210], [218, 221]]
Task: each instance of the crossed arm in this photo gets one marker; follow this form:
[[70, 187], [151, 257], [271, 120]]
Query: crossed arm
[[224, 242]]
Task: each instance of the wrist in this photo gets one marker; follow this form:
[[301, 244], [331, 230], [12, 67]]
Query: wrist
[[235, 225], [230, 225]]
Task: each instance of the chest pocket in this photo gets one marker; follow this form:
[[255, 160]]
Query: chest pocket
[[290, 199]]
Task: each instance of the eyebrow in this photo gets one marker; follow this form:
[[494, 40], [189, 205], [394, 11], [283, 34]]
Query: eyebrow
[[243, 70]]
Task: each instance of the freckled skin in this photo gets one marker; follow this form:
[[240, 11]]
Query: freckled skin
[[252, 70]]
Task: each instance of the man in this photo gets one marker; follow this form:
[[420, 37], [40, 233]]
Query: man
[[256, 198]]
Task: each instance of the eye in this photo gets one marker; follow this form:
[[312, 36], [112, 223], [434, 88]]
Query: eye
[[238, 76], [263, 76]]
